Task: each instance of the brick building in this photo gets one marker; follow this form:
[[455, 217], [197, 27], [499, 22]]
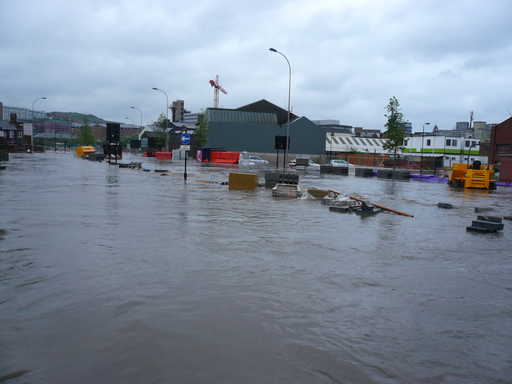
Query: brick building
[[501, 149]]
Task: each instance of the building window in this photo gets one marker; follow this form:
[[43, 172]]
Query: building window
[[448, 142], [428, 142], [406, 142], [447, 157], [468, 143], [454, 143], [453, 158]]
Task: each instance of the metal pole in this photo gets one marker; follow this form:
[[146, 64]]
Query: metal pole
[[167, 116], [185, 173], [33, 105], [422, 137], [286, 151], [141, 114]]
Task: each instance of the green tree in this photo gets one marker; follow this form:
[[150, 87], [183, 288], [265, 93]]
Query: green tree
[[395, 132], [162, 126], [86, 136], [202, 132]]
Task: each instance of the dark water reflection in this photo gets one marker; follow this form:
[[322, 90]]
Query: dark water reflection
[[116, 275]]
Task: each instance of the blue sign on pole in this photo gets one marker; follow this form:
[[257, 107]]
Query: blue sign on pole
[[185, 138]]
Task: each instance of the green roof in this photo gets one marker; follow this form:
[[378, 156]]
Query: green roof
[[233, 116]]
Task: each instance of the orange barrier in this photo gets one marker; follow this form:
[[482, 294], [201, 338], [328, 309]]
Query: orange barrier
[[225, 157], [163, 155]]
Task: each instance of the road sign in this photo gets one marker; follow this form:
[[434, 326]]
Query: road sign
[[185, 138], [185, 147]]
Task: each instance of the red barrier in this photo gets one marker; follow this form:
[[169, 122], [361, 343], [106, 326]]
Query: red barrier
[[163, 155], [225, 157], [149, 154]]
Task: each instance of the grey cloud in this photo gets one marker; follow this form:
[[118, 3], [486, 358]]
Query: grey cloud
[[441, 59]]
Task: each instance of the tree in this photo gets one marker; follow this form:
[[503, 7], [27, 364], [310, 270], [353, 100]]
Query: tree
[[162, 125], [202, 132], [395, 132], [86, 136]]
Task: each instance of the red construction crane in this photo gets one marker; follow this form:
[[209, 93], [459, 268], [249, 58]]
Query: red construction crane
[[216, 88]]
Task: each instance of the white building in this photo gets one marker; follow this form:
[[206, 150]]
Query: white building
[[344, 142], [453, 149]]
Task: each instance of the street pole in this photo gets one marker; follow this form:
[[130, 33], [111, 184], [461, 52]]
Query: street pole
[[141, 114], [33, 106], [167, 116], [286, 151], [422, 137]]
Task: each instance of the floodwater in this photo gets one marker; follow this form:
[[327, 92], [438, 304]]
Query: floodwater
[[112, 275]]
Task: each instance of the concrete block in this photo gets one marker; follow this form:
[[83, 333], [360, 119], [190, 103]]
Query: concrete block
[[487, 224], [483, 209], [363, 172], [340, 209], [480, 229], [243, 181], [494, 219], [279, 177]]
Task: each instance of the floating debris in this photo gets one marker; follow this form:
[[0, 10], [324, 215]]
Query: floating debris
[[445, 205], [13, 375], [383, 207], [291, 191]]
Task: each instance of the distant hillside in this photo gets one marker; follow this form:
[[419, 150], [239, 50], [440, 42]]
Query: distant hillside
[[75, 117]]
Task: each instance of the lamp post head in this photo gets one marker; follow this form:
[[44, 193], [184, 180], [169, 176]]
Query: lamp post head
[[272, 50], [154, 89], [44, 98]]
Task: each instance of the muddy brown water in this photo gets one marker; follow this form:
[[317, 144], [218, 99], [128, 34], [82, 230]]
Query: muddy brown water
[[117, 275]]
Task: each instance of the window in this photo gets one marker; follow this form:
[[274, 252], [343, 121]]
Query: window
[[453, 158], [341, 140], [428, 142], [448, 142], [468, 143], [447, 157], [454, 143]]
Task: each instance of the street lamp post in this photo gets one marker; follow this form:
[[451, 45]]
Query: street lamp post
[[141, 114], [422, 137], [166, 114], [285, 160], [33, 106]]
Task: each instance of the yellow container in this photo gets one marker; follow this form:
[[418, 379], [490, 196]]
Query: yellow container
[[83, 150], [243, 181]]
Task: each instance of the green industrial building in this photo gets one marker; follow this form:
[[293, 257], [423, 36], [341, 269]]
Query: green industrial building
[[253, 128]]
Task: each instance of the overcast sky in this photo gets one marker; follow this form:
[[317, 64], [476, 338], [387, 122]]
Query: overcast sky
[[441, 58]]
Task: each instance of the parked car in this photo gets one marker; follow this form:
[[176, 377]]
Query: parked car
[[248, 160], [340, 163], [258, 160]]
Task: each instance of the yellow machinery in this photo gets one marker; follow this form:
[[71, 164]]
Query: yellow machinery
[[84, 150], [476, 176]]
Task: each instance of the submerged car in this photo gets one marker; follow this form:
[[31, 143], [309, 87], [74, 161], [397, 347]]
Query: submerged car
[[251, 160], [340, 163]]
